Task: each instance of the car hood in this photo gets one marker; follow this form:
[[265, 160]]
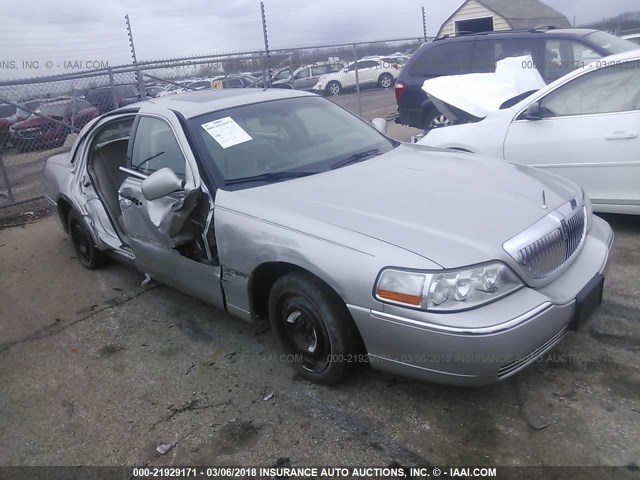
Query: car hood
[[479, 94], [452, 208]]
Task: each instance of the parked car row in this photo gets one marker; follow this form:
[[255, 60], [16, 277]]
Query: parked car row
[[44, 123]]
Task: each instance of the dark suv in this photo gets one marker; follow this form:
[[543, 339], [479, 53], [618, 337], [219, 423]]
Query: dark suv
[[555, 53], [103, 98]]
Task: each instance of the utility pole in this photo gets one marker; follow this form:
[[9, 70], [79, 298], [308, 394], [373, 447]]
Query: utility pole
[[424, 24], [139, 81], [266, 44]]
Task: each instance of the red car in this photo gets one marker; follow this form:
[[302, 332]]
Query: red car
[[39, 130]]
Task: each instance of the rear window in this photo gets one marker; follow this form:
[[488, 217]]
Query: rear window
[[97, 95], [7, 110], [488, 52], [127, 91], [444, 59]]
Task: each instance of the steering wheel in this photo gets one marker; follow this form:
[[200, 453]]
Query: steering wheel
[[267, 152]]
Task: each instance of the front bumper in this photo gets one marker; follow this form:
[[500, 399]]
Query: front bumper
[[487, 344]]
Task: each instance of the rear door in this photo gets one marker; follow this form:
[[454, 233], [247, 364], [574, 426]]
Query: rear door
[[302, 79], [170, 236], [590, 133]]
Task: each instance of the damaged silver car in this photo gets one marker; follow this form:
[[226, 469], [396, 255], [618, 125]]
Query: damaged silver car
[[280, 206]]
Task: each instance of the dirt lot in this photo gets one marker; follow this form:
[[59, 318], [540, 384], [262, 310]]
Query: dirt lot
[[98, 370]]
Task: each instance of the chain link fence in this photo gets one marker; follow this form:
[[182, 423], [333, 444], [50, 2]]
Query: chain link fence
[[41, 117]]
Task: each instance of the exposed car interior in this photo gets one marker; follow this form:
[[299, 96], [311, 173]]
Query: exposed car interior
[[186, 222]]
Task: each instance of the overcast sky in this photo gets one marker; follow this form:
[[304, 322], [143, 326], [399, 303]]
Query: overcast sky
[[75, 30]]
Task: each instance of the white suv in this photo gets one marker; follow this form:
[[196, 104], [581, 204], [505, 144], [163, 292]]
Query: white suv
[[370, 71]]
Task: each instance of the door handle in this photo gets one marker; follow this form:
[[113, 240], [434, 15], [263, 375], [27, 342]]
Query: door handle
[[133, 200], [622, 135]]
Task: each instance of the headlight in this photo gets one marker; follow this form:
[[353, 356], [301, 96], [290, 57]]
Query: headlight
[[446, 290]]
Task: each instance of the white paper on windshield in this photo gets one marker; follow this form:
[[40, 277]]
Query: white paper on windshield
[[226, 132], [481, 93]]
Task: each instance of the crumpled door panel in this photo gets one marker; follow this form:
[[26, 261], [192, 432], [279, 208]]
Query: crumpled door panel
[[165, 220]]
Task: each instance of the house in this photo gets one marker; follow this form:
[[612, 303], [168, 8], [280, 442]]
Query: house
[[490, 15]]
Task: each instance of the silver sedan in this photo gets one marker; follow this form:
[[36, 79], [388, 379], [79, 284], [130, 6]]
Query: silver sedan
[[279, 206]]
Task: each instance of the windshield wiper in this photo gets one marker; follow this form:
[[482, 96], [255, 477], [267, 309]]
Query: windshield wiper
[[356, 157], [268, 177]]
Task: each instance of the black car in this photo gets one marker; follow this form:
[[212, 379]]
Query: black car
[[104, 98], [555, 53]]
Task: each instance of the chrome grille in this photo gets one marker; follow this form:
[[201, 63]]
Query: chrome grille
[[548, 253]]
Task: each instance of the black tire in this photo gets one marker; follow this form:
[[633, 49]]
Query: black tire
[[87, 253], [385, 80], [305, 313], [435, 119], [333, 88]]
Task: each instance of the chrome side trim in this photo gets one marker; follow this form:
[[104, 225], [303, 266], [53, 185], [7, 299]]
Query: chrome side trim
[[433, 327], [595, 165], [606, 201], [512, 368], [50, 200]]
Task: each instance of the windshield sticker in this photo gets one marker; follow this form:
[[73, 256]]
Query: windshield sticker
[[226, 132]]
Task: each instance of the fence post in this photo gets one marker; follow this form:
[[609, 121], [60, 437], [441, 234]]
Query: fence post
[[139, 80], [113, 89], [355, 59], [73, 105], [7, 184], [266, 44], [424, 25]]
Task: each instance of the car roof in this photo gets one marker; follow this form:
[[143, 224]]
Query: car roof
[[560, 32], [193, 104]]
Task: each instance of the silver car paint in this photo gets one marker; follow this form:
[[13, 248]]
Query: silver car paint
[[414, 207]]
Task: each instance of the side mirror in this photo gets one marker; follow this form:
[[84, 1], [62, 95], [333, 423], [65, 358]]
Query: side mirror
[[160, 184], [533, 112], [380, 124]]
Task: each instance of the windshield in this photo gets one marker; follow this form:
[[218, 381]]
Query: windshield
[[611, 43], [278, 139]]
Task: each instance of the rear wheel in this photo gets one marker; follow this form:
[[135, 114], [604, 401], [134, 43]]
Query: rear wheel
[[435, 119], [87, 252], [334, 88], [385, 80], [314, 328]]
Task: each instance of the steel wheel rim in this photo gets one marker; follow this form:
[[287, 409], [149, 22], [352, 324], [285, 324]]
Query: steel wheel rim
[[80, 240], [303, 335]]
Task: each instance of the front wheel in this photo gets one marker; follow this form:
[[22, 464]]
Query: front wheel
[[89, 255], [385, 80], [314, 328], [334, 88]]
